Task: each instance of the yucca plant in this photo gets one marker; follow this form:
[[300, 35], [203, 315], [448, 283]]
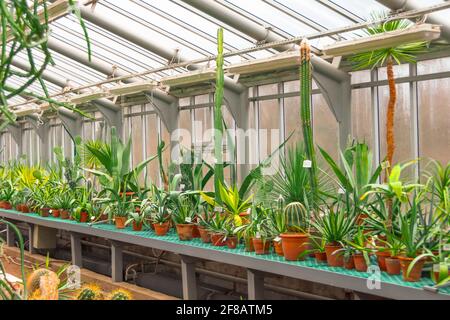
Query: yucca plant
[[390, 55], [335, 225]]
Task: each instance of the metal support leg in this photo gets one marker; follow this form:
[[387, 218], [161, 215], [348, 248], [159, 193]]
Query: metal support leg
[[10, 236], [255, 284], [188, 278], [116, 261], [31, 249], [75, 244]]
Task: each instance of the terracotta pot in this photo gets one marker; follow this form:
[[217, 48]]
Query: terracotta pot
[[320, 256], [56, 213], [381, 259], [249, 247], [262, 246], [278, 246], [416, 271], [64, 214], [349, 263], [137, 226], [436, 274], [205, 235], [23, 208], [195, 232], [44, 212], [84, 217], [5, 205], [392, 265], [217, 240], [120, 222], [294, 244], [232, 242], [334, 259], [360, 262], [184, 231], [161, 229]]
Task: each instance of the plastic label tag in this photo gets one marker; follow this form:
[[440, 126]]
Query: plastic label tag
[[218, 209], [182, 186], [446, 247], [307, 163], [258, 235], [277, 239], [341, 191], [385, 165], [188, 219]]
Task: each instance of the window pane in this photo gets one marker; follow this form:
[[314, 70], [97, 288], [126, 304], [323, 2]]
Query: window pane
[[325, 126], [362, 116]]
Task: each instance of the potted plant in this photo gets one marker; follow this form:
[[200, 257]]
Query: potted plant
[[262, 229], [66, 202], [391, 247], [183, 216], [277, 219], [216, 227], [411, 260], [318, 248], [161, 223], [347, 252], [295, 242], [361, 254], [205, 217], [137, 220], [83, 205], [7, 193], [334, 226]]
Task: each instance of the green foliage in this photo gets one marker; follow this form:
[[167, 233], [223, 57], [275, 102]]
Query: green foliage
[[184, 211], [400, 53], [335, 225]]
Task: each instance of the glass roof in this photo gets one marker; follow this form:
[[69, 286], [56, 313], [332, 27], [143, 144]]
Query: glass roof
[[176, 25]]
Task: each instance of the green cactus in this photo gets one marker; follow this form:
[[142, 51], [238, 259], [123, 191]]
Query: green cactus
[[119, 294], [305, 111], [296, 216], [90, 292]]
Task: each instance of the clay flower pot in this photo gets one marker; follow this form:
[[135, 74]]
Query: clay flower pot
[[278, 246], [294, 244], [381, 259], [360, 262], [205, 235], [137, 226], [416, 271], [320, 256], [5, 205], [392, 265], [232, 242], [44, 212], [262, 246], [349, 263], [120, 222], [218, 240], [84, 217], [56, 213], [184, 231], [195, 232], [334, 259], [249, 247], [25, 208], [64, 214], [161, 229]]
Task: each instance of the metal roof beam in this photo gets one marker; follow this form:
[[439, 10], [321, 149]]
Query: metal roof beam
[[417, 4]]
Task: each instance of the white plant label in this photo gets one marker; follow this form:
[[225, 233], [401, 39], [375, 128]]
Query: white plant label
[[277, 239], [307, 163], [188, 219], [341, 191], [258, 235], [447, 247], [385, 165], [182, 187]]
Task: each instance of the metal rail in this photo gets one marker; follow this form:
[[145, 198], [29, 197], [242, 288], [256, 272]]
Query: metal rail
[[189, 253]]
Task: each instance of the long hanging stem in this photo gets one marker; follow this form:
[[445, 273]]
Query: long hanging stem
[[305, 112], [218, 126]]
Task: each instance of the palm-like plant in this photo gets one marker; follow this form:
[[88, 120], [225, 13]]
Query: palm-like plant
[[389, 56]]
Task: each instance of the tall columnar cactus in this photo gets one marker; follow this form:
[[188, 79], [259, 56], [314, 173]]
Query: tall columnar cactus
[[296, 217], [218, 122], [305, 110]]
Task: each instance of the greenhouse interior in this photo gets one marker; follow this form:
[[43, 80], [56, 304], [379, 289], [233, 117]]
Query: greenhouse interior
[[225, 150]]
